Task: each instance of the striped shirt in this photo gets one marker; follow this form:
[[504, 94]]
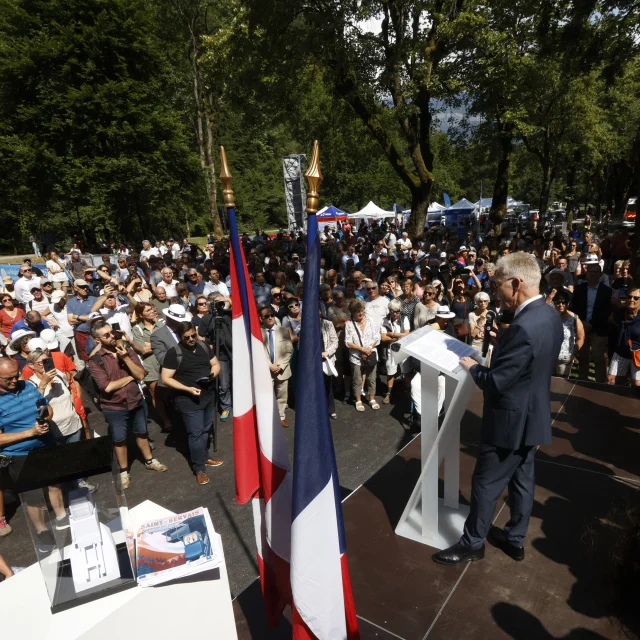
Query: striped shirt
[[18, 412]]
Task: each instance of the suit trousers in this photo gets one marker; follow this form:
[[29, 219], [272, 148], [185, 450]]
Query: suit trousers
[[497, 468], [281, 389], [594, 348]]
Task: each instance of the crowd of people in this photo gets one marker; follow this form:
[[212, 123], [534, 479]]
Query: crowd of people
[[148, 331]]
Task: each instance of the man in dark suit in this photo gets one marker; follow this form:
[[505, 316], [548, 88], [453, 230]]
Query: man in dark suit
[[517, 412], [592, 304]]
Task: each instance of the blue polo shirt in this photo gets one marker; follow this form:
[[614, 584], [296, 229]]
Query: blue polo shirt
[[18, 412], [21, 324], [79, 307]]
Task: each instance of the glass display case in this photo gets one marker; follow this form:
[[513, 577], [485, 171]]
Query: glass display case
[[83, 540]]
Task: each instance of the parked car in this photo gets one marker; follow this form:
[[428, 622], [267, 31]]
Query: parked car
[[629, 216]]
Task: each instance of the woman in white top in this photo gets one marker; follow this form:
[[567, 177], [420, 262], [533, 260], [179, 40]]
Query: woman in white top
[[573, 339], [394, 327], [66, 424], [362, 338], [477, 320], [57, 274]]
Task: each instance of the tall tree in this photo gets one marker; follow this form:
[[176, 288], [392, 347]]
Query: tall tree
[[390, 74]]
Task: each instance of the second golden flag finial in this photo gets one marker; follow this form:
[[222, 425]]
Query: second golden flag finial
[[225, 178], [314, 178]]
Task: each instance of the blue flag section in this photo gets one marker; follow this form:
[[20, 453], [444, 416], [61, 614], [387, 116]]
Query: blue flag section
[[313, 444], [323, 607]]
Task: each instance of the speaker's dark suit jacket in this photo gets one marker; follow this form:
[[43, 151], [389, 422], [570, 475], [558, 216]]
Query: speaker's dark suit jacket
[[517, 386]]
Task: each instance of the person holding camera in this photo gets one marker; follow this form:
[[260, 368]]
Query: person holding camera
[[217, 323], [117, 372], [189, 369], [24, 426]]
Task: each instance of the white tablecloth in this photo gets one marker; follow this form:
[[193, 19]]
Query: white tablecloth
[[190, 610]]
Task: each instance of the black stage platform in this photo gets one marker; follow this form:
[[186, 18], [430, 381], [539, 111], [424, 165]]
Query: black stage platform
[[559, 591]]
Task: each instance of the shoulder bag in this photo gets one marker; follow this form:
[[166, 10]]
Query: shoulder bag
[[372, 358]]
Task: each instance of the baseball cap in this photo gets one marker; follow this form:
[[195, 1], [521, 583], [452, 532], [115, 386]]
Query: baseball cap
[[463, 248], [80, 283], [36, 343], [94, 315], [34, 286], [56, 296], [7, 280], [443, 255], [48, 336]]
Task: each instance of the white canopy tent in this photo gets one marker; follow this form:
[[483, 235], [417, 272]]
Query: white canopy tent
[[372, 211]]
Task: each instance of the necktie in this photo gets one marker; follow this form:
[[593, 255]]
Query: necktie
[[272, 347]]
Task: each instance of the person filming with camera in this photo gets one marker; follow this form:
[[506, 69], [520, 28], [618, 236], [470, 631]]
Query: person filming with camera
[[215, 329]]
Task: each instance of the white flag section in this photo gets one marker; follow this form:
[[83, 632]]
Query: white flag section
[[317, 584]]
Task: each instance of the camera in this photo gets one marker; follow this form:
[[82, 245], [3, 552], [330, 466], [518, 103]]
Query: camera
[[43, 411]]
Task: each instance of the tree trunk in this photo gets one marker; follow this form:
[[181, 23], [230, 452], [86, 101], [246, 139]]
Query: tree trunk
[[188, 225], [547, 179], [419, 204], [205, 147], [571, 191], [213, 200], [501, 184]]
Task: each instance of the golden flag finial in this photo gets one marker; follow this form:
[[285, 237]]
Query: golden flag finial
[[225, 178], [314, 178]]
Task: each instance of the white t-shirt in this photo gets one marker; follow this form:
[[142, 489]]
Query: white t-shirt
[[43, 307], [220, 288], [376, 310], [119, 315], [175, 250], [56, 273], [169, 288], [147, 253], [61, 400], [61, 317], [390, 239], [23, 288]]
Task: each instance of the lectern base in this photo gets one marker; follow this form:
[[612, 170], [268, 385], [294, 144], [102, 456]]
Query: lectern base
[[450, 525]]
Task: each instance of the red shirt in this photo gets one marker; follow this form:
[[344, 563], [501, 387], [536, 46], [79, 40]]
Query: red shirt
[[63, 363], [7, 322]]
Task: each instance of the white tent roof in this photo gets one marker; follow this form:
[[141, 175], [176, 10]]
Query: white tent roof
[[372, 211], [435, 207], [463, 204]]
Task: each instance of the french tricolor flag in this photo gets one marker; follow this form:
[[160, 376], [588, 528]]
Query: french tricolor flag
[[323, 607], [262, 468]]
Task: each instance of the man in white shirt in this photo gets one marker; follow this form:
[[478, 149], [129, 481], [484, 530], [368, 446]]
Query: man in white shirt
[[174, 247], [405, 243], [168, 282], [390, 239], [113, 312], [40, 304], [148, 250], [215, 285], [350, 255], [376, 306], [25, 282]]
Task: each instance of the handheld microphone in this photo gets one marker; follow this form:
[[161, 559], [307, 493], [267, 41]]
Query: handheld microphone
[[491, 316]]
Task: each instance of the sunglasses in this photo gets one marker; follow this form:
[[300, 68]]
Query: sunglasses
[[268, 315], [27, 270], [82, 286], [371, 288], [276, 295], [428, 293], [202, 304], [9, 378], [293, 306], [191, 336], [108, 334], [635, 298]]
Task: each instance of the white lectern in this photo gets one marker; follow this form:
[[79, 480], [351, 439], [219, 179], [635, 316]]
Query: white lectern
[[427, 519]]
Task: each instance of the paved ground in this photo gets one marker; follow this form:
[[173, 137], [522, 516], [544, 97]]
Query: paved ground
[[364, 442]]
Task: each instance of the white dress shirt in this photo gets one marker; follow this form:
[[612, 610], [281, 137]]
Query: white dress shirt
[[525, 303]]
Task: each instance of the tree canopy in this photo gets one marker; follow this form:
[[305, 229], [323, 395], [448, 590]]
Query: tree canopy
[[111, 112]]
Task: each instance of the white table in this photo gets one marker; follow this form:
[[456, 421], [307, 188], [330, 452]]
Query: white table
[[187, 610]]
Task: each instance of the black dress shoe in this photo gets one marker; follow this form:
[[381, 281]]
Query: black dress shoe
[[458, 554], [498, 538]]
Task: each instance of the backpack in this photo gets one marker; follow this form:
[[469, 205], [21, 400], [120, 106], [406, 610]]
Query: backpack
[[178, 351]]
